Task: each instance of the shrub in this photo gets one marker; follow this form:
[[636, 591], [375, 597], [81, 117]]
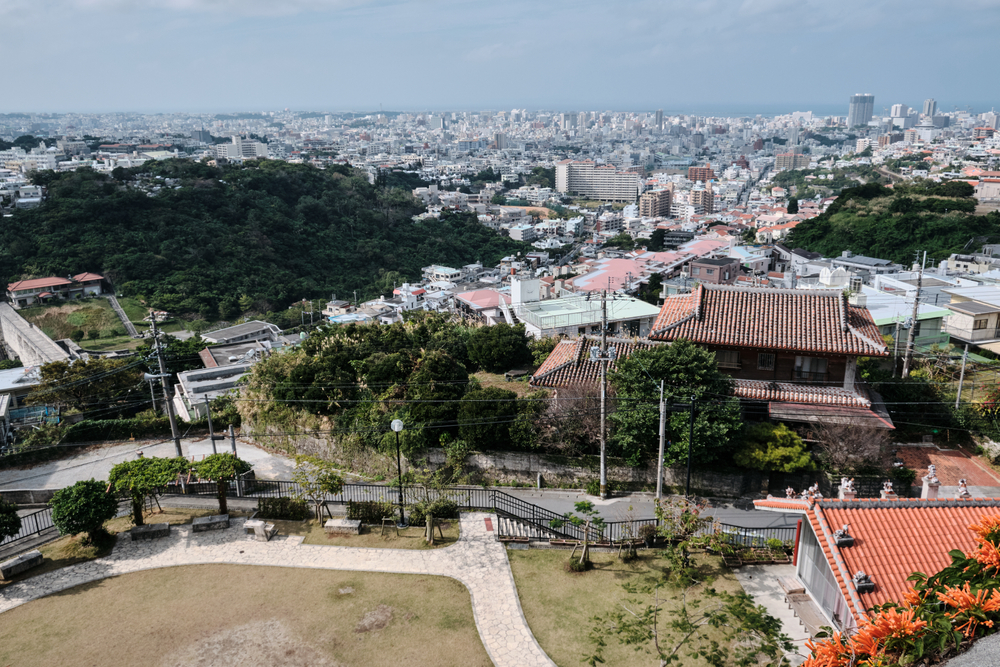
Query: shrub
[[370, 511], [285, 509], [593, 487], [441, 508], [83, 508], [774, 544], [10, 522], [646, 531], [902, 480], [578, 566], [773, 447]]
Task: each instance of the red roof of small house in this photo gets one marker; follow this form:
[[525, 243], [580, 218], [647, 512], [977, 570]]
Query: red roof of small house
[[775, 319], [45, 294], [482, 299], [87, 277], [892, 539], [569, 363], [38, 283]]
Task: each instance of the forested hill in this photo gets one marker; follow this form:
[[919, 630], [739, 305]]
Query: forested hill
[[214, 241], [894, 223]]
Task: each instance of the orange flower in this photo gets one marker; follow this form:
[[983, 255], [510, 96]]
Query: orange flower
[[971, 608], [986, 553], [913, 597], [832, 652], [988, 528]]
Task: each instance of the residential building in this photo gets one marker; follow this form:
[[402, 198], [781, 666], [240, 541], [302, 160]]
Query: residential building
[[524, 233], [578, 315], [194, 389], [656, 203], [248, 331], [436, 273], [975, 316], [791, 161], [792, 353], [703, 174], [39, 290], [715, 271], [892, 312], [604, 182], [702, 197], [484, 305], [866, 267], [860, 110], [570, 363]]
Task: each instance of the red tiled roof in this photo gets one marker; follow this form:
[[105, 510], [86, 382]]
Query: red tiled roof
[[774, 319], [83, 277], [763, 390], [569, 363], [38, 283], [893, 539]]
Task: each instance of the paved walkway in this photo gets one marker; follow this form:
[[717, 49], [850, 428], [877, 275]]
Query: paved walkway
[[477, 560], [761, 582]]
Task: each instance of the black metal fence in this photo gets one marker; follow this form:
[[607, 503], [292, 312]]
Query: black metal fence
[[31, 525], [753, 537]]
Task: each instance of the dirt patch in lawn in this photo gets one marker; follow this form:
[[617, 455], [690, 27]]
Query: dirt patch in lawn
[[246, 615], [376, 619], [372, 537]]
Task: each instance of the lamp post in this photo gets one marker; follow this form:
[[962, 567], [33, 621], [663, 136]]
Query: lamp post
[[397, 426]]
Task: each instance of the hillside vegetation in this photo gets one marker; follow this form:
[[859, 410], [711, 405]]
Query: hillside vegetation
[[213, 242], [895, 223]]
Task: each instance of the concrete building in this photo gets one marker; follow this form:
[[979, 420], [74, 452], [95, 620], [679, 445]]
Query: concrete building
[[603, 182], [860, 110], [791, 161], [703, 174], [656, 203], [255, 330], [930, 106]]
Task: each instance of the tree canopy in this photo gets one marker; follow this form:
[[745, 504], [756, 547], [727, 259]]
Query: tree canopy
[[221, 468], [83, 508], [141, 478], [499, 348], [88, 384], [10, 521], [268, 230], [687, 370]]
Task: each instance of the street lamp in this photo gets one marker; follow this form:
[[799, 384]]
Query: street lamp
[[397, 426]]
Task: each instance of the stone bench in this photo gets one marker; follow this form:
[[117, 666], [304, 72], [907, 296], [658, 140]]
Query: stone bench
[[206, 523], [20, 564], [150, 531], [342, 527], [262, 531]]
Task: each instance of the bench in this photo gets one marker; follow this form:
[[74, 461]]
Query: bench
[[150, 531], [20, 564], [342, 527], [205, 523], [263, 532]]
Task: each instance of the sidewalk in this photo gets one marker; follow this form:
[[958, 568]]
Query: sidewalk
[[478, 560]]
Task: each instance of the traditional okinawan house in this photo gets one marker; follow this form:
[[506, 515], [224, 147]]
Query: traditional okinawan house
[[792, 354]]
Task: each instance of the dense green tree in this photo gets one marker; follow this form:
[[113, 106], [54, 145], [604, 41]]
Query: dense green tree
[[83, 508], [773, 447], [142, 478], [656, 240], [687, 370], [623, 240], [221, 469], [10, 521], [99, 382], [435, 388], [793, 205], [485, 417], [498, 199], [499, 348]]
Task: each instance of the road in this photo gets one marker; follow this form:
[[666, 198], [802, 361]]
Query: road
[[96, 462]]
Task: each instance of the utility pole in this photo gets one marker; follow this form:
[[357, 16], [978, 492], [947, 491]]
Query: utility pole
[[687, 486], [895, 348], [961, 377], [211, 431], [604, 388], [913, 327], [167, 391], [659, 460]]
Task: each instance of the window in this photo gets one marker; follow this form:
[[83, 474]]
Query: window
[[710, 272], [765, 361], [811, 369], [695, 271], [728, 358], [980, 324]]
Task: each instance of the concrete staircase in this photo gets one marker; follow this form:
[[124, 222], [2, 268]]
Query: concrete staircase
[[523, 530], [129, 327]]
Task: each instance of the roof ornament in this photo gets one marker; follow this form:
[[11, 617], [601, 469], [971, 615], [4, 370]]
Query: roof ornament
[[862, 582], [887, 492], [962, 493], [843, 537], [790, 493]]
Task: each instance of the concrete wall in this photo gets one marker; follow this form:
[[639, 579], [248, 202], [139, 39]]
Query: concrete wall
[[27, 341], [28, 496]]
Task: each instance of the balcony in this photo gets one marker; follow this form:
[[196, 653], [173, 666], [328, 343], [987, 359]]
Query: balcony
[[978, 336]]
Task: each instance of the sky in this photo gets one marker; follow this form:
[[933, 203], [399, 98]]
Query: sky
[[685, 56]]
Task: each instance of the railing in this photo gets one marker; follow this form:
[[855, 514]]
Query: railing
[[972, 335], [31, 525], [753, 537], [129, 327]]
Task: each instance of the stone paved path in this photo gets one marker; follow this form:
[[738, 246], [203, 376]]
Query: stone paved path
[[477, 560]]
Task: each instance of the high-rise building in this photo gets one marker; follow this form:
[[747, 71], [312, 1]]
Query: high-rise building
[[860, 110], [899, 111], [784, 161], [659, 120], [930, 106], [702, 195], [567, 121], [603, 182], [656, 203]]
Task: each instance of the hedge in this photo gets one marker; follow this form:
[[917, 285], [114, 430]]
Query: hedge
[[285, 509], [370, 511]]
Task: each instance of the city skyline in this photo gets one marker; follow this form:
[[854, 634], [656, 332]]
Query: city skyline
[[719, 58]]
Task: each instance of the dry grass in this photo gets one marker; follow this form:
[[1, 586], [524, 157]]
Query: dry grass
[[409, 538], [243, 615], [559, 604], [499, 381], [90, 315]]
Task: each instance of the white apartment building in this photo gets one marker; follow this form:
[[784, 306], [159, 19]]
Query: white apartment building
[[603, 182]]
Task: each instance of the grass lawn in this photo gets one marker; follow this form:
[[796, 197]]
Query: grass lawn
[[228, 615], [69, 550], [91, 316], [409, 538], [134, 310], [559, 605]]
